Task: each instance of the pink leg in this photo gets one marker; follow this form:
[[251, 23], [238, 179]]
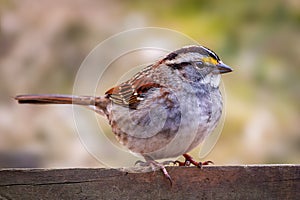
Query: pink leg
[[190, 160]]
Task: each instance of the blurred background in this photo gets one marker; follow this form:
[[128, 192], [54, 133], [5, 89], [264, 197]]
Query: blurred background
[[43, 43]]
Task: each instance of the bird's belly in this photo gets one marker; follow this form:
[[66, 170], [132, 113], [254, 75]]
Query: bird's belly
[[162, 132]]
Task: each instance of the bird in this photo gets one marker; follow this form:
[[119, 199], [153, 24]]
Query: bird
[[165, 110]]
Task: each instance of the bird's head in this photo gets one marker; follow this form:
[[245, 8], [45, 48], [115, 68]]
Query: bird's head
[[199, 56]]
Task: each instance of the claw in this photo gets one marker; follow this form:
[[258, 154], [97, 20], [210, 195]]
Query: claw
[[189, 160], [164, 170], [200, 164], [139, 162], [179, 163], [156, 166]]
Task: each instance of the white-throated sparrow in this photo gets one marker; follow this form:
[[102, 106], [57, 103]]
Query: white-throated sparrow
[[165, 110]]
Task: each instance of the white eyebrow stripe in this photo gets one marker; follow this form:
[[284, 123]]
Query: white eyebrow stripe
[[185, 57], [210, 51]]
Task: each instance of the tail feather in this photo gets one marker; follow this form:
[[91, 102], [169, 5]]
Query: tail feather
[[55, 99], [98, 104]]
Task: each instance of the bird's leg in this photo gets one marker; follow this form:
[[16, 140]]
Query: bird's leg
[[190, 160], [155, 166], [166, 174]]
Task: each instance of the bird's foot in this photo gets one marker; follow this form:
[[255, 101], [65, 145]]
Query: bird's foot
[[154, 167], [190, 160]]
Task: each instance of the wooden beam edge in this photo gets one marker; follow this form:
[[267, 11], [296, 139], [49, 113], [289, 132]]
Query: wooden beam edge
[[233, 181]]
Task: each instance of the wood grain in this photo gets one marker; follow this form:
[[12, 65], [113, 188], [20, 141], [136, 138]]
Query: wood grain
[[211, 182]]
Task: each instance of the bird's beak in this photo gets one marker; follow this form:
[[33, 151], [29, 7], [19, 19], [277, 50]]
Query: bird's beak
[[223, 68]]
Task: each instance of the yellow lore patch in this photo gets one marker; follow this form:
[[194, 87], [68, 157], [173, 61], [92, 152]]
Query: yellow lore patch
[[210, 60]]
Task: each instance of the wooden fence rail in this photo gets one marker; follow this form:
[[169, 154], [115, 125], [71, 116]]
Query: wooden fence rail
[[211, 182]]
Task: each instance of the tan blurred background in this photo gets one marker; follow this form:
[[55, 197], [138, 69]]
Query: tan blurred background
[[42, 44]]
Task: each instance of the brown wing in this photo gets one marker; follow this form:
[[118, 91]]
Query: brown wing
[[130, 94]]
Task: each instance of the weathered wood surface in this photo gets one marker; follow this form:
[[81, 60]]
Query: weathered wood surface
[[212, 182]]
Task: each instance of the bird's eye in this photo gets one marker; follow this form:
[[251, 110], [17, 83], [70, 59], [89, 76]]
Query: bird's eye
[[199, 62]]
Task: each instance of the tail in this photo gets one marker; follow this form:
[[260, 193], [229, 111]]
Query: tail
[[97, 104]]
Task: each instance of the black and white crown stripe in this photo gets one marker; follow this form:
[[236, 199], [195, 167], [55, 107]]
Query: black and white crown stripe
[[189, 54]]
